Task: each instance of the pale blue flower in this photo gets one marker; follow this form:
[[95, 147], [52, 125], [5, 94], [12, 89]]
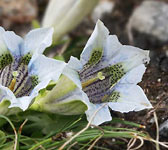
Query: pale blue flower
[[108, 73], [23, 69]]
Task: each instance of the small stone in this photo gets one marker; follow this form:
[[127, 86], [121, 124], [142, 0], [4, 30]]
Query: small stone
[[150, 19], [164, 129], [159, 80], [113, 140]]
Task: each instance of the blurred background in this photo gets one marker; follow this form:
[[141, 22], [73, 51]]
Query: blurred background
[[140, 23]]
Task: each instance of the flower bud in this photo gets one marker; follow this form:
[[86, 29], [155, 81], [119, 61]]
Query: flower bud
[[65, 15]]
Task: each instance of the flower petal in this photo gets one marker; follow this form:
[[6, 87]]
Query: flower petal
[[3, 47], [96, 41], [13, 43], [74, 63], [102, 113], [133, 76], [71, 71], [45, 68], [130, 56], [73, 103], [25, 101], [21, 102], [130, 97], [37, 40], [112, 46], [6, 94]]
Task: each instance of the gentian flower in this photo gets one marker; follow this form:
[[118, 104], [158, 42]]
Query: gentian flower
[[23, 69], [106, 76], [108, 73]]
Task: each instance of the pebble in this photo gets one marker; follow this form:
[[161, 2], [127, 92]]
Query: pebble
[[159, 80], [163, 130], [150, 19]]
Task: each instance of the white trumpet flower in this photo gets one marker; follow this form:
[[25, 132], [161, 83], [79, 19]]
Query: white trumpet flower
[[108, 72], [23, 69], [106, 76]]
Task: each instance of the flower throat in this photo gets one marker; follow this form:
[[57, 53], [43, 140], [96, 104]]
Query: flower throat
[[98, 82], [14, 74]]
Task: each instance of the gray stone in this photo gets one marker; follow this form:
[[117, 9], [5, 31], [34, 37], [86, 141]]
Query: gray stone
[[163, 131], [151, 18]]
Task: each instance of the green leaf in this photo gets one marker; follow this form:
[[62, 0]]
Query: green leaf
[[2, 137]]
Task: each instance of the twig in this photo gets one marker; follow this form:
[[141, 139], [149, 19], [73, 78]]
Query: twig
[[16, 140], [130, 141], [21, 127], [19, 133], [93, 144], [72, 145], [157, 130], [84, 129], [140, 145], [95, 141], [154, 141], [133, 141]]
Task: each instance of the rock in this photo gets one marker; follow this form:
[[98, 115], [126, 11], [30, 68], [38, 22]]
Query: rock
[[17, 11], [150, 21], [164, 64], [104, 7], [163, 131]]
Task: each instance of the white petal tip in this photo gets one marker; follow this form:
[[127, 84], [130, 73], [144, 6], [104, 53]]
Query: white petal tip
[[101, 27]]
